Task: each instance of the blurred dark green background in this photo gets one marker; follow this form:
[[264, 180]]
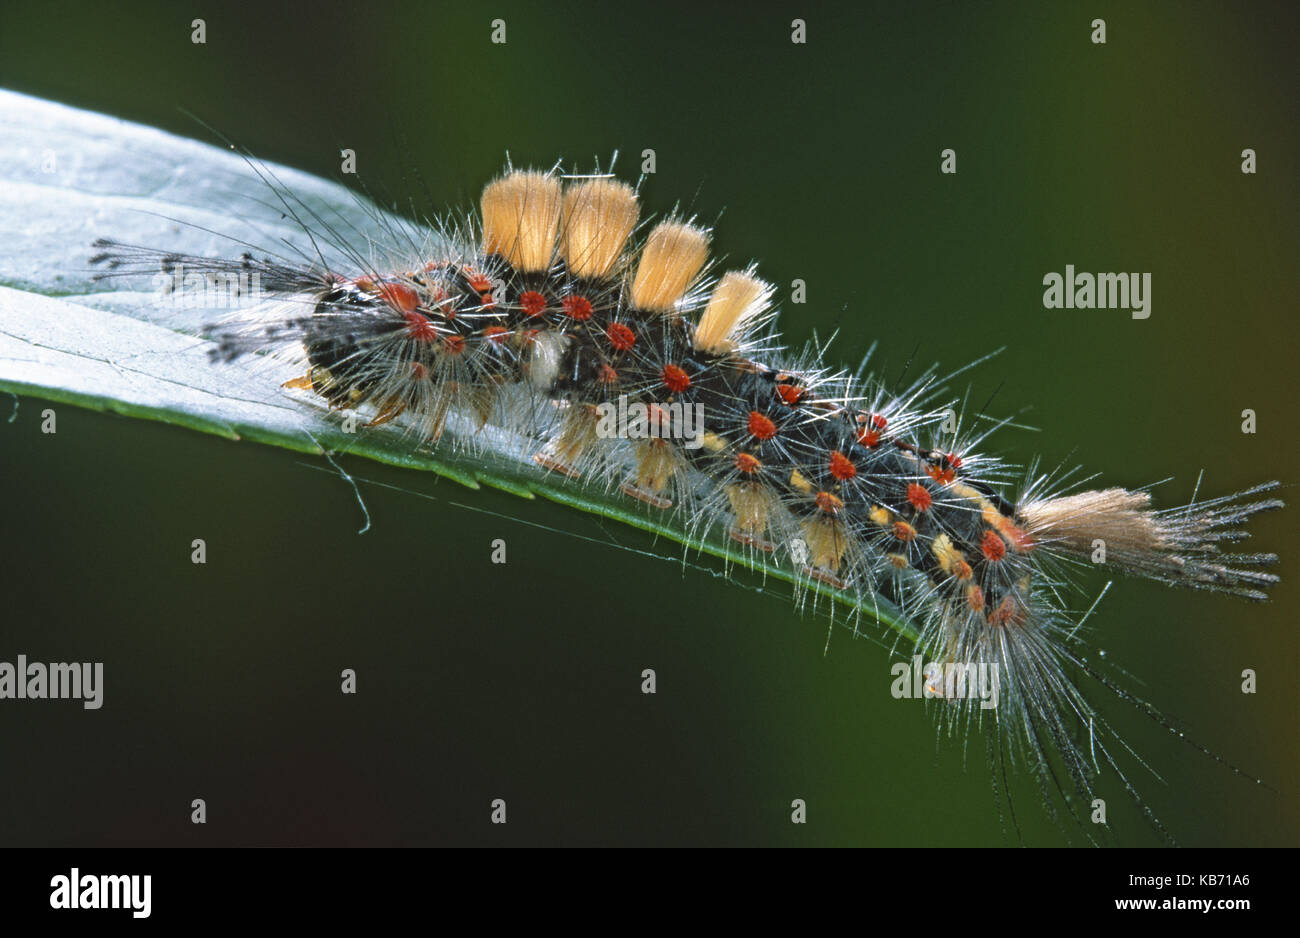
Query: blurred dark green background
[[522, 681]]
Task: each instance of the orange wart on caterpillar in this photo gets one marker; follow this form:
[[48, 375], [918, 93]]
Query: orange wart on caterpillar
[[605, 360]]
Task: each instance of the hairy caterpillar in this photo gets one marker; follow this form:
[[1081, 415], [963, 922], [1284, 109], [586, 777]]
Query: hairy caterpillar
[[550, 316]]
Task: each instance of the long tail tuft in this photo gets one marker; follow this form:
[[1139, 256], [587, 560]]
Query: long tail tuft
[[1180, 546]]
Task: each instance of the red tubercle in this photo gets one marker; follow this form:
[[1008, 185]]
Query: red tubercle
[[871, 427], [496, 334], [841, 467], [940, 474], [532, 303], [607, 375], [944, 469], [453, 344], [438, 297], [577, 307], [975, 597], [747, 463], [418, 371], [1020, 539], [675, 378], [419, 327], [992, 546], [790, 394], [760, 426], [402, 298], [828, 502], [919, 497], [904, 531], [478, 282], [620, 336]]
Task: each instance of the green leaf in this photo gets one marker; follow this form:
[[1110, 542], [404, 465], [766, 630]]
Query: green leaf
[[71, 176]]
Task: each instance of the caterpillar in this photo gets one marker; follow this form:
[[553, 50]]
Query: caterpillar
[[626, 362]]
